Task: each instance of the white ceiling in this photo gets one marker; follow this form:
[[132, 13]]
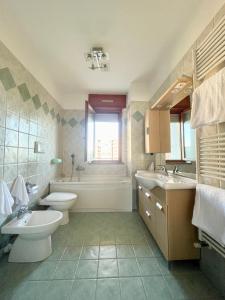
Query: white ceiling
[[50, 38]]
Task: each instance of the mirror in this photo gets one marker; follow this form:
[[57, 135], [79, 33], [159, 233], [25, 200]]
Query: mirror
[[183, 148]]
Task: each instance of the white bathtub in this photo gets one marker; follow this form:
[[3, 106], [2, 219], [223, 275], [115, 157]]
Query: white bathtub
[[97, 193]]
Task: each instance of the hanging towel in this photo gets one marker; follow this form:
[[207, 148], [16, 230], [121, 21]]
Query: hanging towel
[[209, 211], [208, 101], [6, 200], [19, 191]]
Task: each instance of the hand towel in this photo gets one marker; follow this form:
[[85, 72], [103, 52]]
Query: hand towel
[[19, 191], [6, 200], [208, 101], [209, 211]]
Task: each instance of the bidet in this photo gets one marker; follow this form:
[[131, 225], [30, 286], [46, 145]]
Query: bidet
[[34, 235]]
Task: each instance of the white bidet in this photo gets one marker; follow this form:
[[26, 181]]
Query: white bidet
[[34, 235]]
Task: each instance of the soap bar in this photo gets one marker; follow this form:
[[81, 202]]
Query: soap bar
[[56, 161]]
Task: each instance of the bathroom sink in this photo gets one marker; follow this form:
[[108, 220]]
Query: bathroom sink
[[172, 182]]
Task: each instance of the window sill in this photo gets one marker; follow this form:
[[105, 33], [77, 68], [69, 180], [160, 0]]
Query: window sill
[[177, 161], [106, 162]]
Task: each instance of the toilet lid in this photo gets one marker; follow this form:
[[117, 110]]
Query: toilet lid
[[61, 196]]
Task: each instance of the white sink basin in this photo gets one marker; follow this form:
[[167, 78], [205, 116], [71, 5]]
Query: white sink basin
[[172, 182]]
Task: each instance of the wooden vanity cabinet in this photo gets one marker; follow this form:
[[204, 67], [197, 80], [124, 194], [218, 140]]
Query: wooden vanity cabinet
[[157, 131], [167, 214]]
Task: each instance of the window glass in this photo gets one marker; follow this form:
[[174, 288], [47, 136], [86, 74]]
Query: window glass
[[175, 138], [188, 137]]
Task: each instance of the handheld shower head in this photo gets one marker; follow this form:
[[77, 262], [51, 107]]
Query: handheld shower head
[[73, 158]]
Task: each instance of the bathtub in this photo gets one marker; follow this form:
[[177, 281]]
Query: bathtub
[[97, 193]]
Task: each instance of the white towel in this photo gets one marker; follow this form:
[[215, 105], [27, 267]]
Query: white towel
[[209, 211], [19, 191], [208, 101], [6, 200]]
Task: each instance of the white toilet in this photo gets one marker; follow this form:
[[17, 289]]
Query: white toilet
[[60, 201]]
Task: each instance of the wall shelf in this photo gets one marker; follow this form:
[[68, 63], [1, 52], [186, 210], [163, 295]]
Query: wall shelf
[[178, 90]]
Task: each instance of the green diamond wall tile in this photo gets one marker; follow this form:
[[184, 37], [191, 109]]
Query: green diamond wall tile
[[72, 122], [63, 121], [36, 101], [82, 122], [24, 92], [138, 116], [52, 112], [45, 108], [58, 118], [7, 79]]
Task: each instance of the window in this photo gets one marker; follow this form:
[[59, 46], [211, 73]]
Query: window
[[106, 137], [182, 138], [103, 127]]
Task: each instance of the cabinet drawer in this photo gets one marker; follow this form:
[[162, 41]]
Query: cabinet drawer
[[147, 209], [150, 214]]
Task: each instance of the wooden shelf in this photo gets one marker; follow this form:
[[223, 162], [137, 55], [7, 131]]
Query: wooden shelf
[[181, 88]]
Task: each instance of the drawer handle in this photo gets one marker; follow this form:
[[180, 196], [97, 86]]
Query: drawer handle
[[159, 206], [140, 188], [147, 195], [148, 213]]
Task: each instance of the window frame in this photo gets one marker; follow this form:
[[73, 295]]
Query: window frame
[[182, 159], [119, 160]]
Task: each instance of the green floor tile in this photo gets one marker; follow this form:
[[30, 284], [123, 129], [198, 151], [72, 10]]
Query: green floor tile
[[65, 269], [148, 266], [43, 271], [132, 289], [156, 288], [108, 289], [90, 252], [108, 268], [128, 267], [58, 290], [72, 253], [142, 251], [124, 251], [107, 251], [87, 269], [83, 290], [30, 290]]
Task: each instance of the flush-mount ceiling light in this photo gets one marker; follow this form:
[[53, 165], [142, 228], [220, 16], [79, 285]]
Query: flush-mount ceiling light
[[97, 59]]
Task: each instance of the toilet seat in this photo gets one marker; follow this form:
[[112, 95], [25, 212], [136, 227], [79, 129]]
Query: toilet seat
[[58, 196]]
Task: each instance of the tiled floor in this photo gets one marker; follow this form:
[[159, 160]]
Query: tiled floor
[[103, 256]]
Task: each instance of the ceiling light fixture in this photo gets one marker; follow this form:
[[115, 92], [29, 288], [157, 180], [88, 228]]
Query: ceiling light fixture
[[97, 59]]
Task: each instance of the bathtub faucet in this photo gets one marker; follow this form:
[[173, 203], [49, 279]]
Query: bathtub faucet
[[78, 169]]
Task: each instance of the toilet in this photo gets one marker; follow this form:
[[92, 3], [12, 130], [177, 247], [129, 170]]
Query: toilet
[[61, 202]]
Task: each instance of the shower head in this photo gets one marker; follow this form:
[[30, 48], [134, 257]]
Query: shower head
[[73, 158]]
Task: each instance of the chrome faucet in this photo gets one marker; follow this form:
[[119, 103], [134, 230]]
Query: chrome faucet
[[23, 211], [163, 168], [80, 168], [175, 169]]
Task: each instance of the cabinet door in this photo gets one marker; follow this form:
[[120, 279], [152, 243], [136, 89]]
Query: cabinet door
[[150, 213], [152, 140], [161, 225], [157, 131], [141, 201], [164, 131]]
